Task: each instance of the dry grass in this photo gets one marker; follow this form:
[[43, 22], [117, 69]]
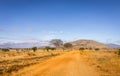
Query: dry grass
[[106, 62], [15, 60]]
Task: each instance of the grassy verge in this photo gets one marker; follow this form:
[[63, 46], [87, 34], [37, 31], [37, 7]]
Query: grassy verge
[[106, 62]]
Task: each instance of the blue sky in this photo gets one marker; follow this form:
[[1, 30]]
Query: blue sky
[[39, 20]]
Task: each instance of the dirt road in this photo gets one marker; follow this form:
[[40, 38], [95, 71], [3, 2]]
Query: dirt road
[[68, 64]]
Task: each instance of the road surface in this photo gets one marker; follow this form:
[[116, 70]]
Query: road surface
[[68, 64]]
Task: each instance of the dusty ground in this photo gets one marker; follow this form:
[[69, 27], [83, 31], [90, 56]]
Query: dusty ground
[[68, 64], [14, 60], [106, 62], [61, 63]]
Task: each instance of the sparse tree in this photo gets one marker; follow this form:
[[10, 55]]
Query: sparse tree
[[68, 45], [47, 48], [57, 43], [34, 48]]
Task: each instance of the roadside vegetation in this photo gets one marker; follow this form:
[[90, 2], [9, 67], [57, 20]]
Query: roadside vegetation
[[106, 62]]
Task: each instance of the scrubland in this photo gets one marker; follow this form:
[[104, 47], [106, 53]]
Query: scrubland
[[105, 63], [13, 60]]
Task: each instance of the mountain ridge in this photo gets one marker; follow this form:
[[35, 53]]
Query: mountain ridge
[[113, 45], [76, 44], [88, 44]]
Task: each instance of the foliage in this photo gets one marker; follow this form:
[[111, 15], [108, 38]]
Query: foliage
[[52, 48], [68, 45], [34, 48], [97, 49], [90, 48], [81, 48], [56, 42], [118, 51], [47, 48], [5, 50]]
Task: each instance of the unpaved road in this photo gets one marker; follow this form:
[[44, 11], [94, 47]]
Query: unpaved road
[[68, 64]]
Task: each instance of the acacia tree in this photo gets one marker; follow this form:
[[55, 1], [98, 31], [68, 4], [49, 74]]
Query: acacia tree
[[57, 43], [68, 46]]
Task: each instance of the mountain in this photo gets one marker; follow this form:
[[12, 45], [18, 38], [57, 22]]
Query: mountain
[[88, 44], [76, 44], [22, 45], [113, 45]]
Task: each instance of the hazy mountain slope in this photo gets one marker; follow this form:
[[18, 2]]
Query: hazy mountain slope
[[88, 44], [113, 45], [22, 45]]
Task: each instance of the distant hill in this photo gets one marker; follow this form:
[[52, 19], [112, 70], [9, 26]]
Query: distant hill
[[22, 45], [76, 44], [113, 45], [88, 44]]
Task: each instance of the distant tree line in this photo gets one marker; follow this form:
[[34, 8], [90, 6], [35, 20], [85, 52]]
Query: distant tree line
[[54, 44], [4, 49]]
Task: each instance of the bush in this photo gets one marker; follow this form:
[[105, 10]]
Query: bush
[[34, 49], [52, 48], [68, 45], [81, 49], [118, 51], [97, 49], [5, 50], [90, 48], [47, 48]]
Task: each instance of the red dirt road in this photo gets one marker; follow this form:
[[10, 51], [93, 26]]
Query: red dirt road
[[68, 64]]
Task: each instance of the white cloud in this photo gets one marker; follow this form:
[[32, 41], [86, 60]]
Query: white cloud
[[117, 42]]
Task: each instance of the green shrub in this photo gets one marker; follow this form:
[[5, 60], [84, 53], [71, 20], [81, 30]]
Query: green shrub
[[34, 48]]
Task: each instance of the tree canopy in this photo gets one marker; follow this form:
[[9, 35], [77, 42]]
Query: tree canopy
[[57, 42]]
